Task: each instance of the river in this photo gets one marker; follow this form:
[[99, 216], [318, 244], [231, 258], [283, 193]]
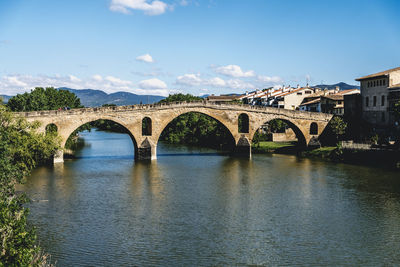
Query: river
[[195, 207]]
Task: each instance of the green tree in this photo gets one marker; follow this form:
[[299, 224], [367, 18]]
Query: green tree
[[181, 98], [21, 149], [338, 127], [195, 128], [44, 99]]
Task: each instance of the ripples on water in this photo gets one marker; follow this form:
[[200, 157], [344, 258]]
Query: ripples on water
[[195, 207]]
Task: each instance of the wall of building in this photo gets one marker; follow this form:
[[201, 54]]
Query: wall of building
[[293, 100], [395, 77], [376, 114]]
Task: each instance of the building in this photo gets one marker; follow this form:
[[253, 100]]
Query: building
[[379, 93], [292, 98], [222, 98], [334, 103]]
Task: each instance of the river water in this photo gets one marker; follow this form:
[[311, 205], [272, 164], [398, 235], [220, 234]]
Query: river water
[[195, 207]]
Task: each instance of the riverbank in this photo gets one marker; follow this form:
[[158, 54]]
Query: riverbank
[[377, 158]]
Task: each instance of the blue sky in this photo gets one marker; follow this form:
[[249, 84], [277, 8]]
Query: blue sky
[[193, 46]]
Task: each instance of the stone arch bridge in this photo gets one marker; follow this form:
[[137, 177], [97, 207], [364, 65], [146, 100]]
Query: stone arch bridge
[[306, 125]]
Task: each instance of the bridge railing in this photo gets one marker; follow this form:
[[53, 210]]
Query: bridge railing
[[203, 103]]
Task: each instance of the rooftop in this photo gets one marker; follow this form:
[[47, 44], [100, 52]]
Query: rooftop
[[382, 73], [334, 97], [311, 102]]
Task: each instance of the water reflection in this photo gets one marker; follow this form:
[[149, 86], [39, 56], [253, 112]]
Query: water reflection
[[198, 207]]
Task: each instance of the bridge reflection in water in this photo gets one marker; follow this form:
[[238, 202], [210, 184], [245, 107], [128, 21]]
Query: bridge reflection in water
[[106, 210]]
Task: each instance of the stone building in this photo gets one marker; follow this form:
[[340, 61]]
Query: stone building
[[379, 92]]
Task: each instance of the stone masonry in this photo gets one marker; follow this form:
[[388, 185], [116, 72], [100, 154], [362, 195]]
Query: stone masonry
[[67, 121]]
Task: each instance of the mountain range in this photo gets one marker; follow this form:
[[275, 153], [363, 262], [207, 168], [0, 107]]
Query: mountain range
[[342, 86], [95, 98]]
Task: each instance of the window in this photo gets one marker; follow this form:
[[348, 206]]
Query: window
[[367, 101], [380, 82], [383, 100], [314, 128], [384, 82], [299, 93], [146, 126], [374, 101], [308, 92], [243, 123], [339, 102]]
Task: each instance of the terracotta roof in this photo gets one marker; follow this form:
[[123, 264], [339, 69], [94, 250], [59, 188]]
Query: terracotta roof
[[294, 91], [382, 73], [222, 97], [311, 102], [347, 91]]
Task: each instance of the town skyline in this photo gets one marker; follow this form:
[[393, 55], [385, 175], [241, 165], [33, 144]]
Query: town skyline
[[196, 47]]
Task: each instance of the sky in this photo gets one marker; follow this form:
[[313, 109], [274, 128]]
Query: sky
[[199, 47]]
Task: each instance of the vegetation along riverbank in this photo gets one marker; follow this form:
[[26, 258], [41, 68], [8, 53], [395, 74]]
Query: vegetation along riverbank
[[21, 149]]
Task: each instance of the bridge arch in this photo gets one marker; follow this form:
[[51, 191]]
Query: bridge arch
[[51, 128], [297, 129], [227, 127], [67, 133]]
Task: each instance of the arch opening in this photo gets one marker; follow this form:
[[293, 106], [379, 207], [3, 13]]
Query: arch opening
[[51, 128], [278, 135], [146, 126], [76, 139], [314, 128], [198, 129], [243, 123]]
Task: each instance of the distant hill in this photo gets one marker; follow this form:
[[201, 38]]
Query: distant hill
[[5, 98], [342, 86], [95, 98]]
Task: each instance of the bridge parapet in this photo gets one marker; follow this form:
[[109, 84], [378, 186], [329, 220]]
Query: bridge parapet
[[153, 107]]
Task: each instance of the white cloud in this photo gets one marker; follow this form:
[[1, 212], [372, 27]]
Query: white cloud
[[216, 82], [151, 8], [234, 71], [117, 81], [239, 84], [74, 78], [189, 79], [19, 83], [152, 84], [145, 58], [14, 81], [97, 77], [268, 79]]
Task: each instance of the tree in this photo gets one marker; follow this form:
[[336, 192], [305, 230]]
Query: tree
[[338, 127], [195, 128], [44, 99], [180, 98], [396, 111], [21, 149]]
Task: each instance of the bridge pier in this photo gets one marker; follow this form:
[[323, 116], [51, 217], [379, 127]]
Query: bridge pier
[[58, 157], [146, 151], [243, 148]]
